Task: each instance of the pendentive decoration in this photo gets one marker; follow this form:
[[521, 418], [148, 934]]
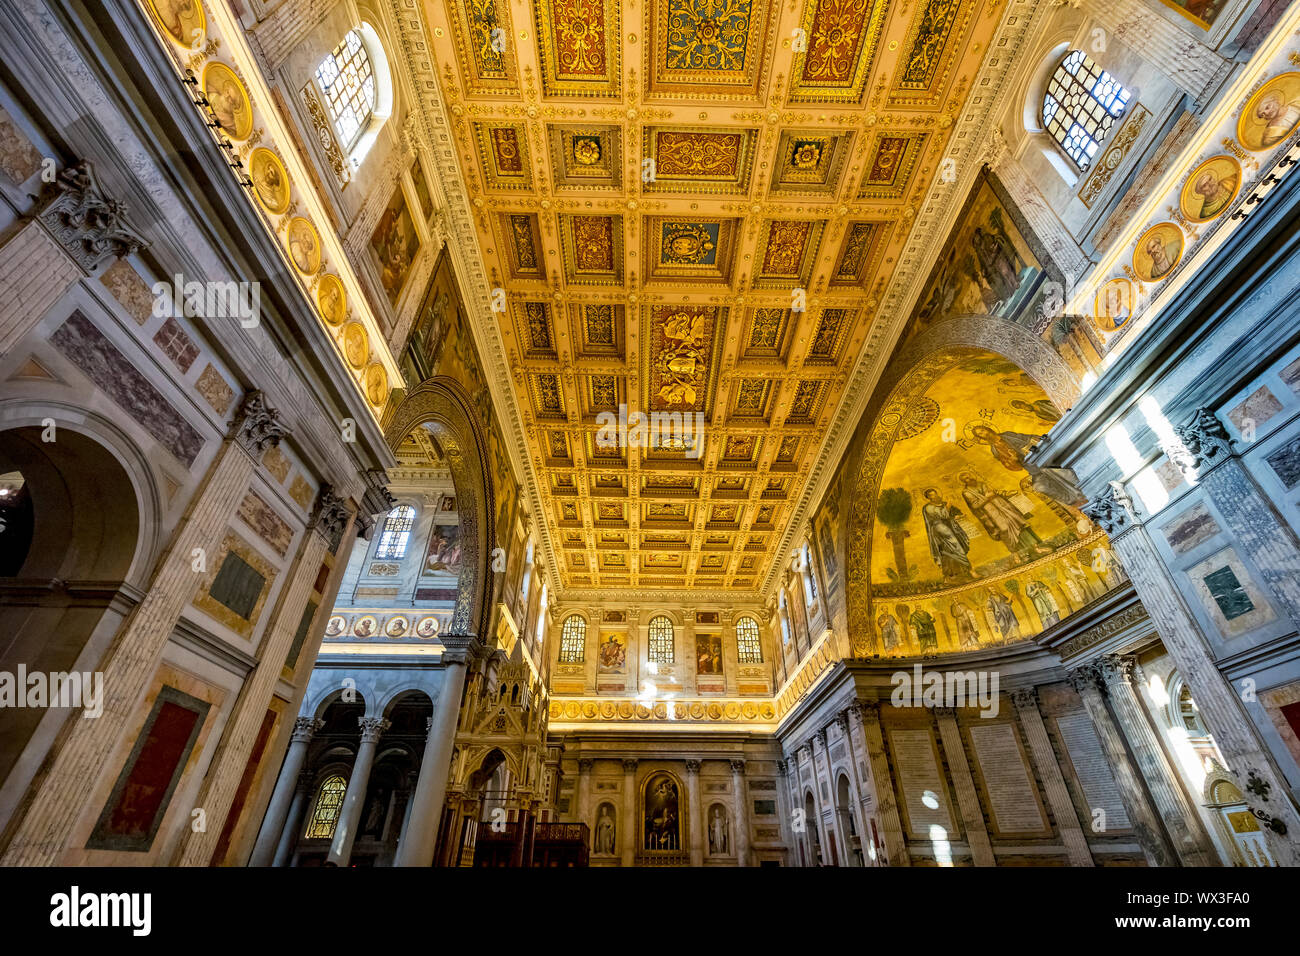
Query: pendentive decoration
[[91, 226]]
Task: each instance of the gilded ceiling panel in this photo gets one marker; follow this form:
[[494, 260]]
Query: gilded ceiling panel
[[840, 38]]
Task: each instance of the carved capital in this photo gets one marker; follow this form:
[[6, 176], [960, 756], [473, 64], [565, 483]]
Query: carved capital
[[1200, 445], [1086, 677], [378, 499], [257, 425], [949, 713], [866, 709], [1116, 669], [91, 226], [738, 767], [372, 728], [1112, 510], [782, 768], [692, 767], [585, 764], [1025, 698], [629, 764], [304, 728], [459, 648], [330, 515]]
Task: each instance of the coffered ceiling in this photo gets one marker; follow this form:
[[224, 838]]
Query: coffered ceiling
[[692, 206]]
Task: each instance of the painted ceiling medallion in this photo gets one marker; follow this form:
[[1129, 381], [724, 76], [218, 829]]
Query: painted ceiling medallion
[[805, 154], [690, 243]]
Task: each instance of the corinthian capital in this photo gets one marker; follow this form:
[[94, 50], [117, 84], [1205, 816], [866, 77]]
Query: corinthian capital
[[88, 224], [257, 425], [1112, 510], [1200, 444]]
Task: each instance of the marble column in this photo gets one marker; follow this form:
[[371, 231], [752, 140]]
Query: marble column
[[968, 801], [1087, 682], [293, 824], [345, 831], [826, 830], [629, 812], [1178, 55], [329, 518], [696, 814], [74, 229], [864, 790], [132, 660], [1049, 771], [868, 712], [584, 794], [1220, 706], [1179, 815], [277, 811], [417, 849], [783, 793], [741, 790]]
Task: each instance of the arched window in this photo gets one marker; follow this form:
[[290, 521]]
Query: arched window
[[748, 646], [348, 82], [397, 533], [358, 90], [812, 575], [329, 801], [1081, 104], [540, 631], [573, 640], [661, 640], [785, 618]]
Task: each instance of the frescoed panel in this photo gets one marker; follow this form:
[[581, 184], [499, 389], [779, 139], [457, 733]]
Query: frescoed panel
[[611, 653], [708, 654], [444, 549], [394, 244]]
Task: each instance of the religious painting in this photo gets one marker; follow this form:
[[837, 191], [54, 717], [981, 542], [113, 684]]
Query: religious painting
[[181, 20], [365, 626], [1113, 305], [304, 246], [708, 654], [228, 101], [1271, 115], [1210, 189], [989, 266], [394, 244], [444, 549], [611, 654], [139, 800], [421, 189], [661, 813], [332, 299], [397, 626], [1158, 251], [1201, 12], [269, 179]]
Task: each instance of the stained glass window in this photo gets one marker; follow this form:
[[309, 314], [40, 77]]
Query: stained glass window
[[747, 643], [326, 813], [661, 640], [573, 640], [1081, 104], [346, 78], [397, 533]]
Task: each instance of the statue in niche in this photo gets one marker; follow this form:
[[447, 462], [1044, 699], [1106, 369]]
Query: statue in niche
[[605, 831], [718, 831]]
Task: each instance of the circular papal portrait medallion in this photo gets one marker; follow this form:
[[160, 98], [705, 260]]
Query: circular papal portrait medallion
[[375, 380], [1210, 188], [365, 626], [1113, 304], [228, 101], [1271, 114], [270, 181], [397, 626], [356, 344], [332, 299], [428, 626], [1158, 251], [181, 20], [304, 246]]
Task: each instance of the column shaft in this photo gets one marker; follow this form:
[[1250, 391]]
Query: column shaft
[[345, 831], [285, 785], [1181, 820], [289, 836], [696, 813], [1142, 815], [629, 813], [891, 826], [420, 842], [968, 801], [34, 274], [1058, 797], [742, 812]]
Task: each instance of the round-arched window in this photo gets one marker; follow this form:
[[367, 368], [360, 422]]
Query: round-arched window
[[748, 647], [1080, 105], [661, 640], [573, 640]]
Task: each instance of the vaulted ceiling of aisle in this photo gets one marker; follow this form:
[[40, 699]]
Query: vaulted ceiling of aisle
[[651, 184]]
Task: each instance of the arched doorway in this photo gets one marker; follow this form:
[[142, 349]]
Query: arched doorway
[[812, 829], [71, 536], [849, 835]]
